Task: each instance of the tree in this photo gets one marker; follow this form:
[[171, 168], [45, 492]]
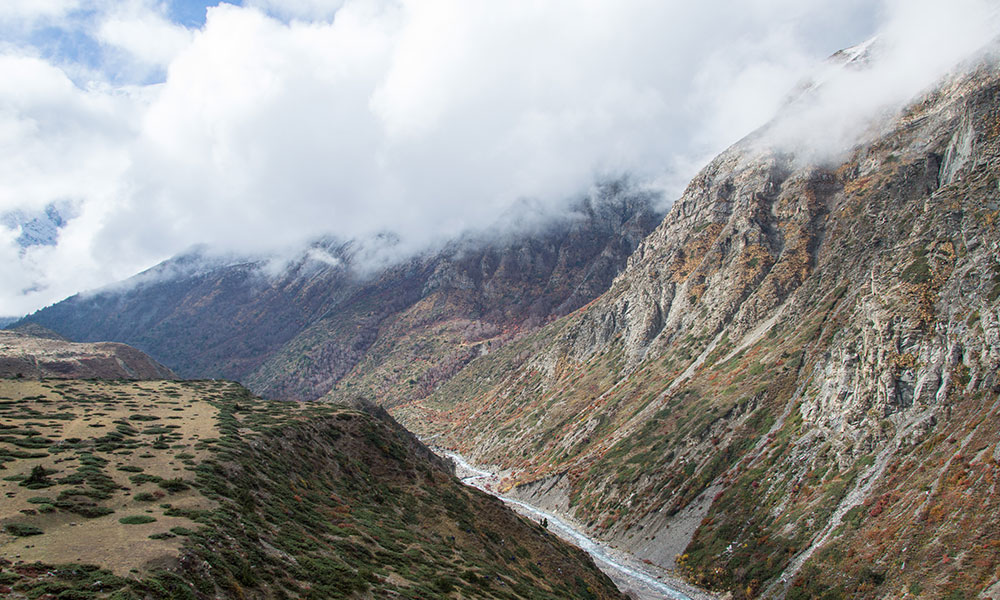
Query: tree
[[38, 477]]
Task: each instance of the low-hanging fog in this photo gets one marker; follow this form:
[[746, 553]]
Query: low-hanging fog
[[135, 129]]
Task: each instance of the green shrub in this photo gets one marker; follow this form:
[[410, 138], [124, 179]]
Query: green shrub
[[39, 478], [142, 478], [174, 485], [136, 519], [22, 529]]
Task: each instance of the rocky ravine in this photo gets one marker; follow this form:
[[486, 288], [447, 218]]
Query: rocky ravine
[[792, 388]]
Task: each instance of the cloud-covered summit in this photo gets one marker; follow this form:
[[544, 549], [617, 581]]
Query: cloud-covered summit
[[254, 127]]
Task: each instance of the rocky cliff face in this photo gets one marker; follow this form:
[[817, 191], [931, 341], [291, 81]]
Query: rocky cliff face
[[416, 325], [23, 355], [792, 387], [336, 326]]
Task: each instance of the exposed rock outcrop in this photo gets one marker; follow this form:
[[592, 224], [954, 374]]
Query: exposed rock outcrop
[[813, 341]]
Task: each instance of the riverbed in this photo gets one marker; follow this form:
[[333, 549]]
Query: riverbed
[[629, 574]]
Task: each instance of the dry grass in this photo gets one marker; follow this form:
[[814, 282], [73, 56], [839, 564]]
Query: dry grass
[[73, 416]]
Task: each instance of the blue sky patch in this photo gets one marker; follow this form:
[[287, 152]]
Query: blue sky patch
[[191, 13]]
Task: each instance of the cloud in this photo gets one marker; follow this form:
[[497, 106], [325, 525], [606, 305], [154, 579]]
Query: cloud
[[59, 141], [30, 10], [143, 31], [274, 123], [857, 91], [61, 144], [423, 118], [305, 10]]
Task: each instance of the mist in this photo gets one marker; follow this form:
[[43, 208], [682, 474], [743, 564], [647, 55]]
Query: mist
[[858, 92], [269, 124]]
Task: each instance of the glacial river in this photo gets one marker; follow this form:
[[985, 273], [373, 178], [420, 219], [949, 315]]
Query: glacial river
[[636, 579]]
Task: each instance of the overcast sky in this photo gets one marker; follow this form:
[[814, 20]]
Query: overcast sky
[[149, 126]]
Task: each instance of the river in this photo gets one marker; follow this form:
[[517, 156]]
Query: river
[[626, 573]]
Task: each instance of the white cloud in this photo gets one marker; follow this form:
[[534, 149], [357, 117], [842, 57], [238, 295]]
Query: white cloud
[[922, 41], [276, 122], [306, 10], [143, 30], [58, 141], [29, 10]]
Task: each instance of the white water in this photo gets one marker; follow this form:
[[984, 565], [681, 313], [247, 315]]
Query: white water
[[593, 548]]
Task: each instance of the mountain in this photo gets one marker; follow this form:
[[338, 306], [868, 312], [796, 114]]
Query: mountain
[[197, 489], [791, 390], [202, 314], [35, 353], [36, 330], [329, 322], [39, 228], [787, 389]]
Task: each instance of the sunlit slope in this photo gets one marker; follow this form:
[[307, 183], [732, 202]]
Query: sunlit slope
[[201, 490]]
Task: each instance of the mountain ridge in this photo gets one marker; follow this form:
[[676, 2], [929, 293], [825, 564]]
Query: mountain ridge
[[33, 352], [788, 342], [294, 335]]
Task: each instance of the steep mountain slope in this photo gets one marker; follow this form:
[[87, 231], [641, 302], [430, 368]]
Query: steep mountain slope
[[200, 490], [417, 324], [45, 355], [204, 315], [793, 385], [397, 331]]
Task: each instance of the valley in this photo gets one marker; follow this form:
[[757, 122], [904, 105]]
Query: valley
[[785, 386], [800, 361], [633, 578]]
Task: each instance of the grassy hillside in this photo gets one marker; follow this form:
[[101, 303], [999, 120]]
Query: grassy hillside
[[200, 490]]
